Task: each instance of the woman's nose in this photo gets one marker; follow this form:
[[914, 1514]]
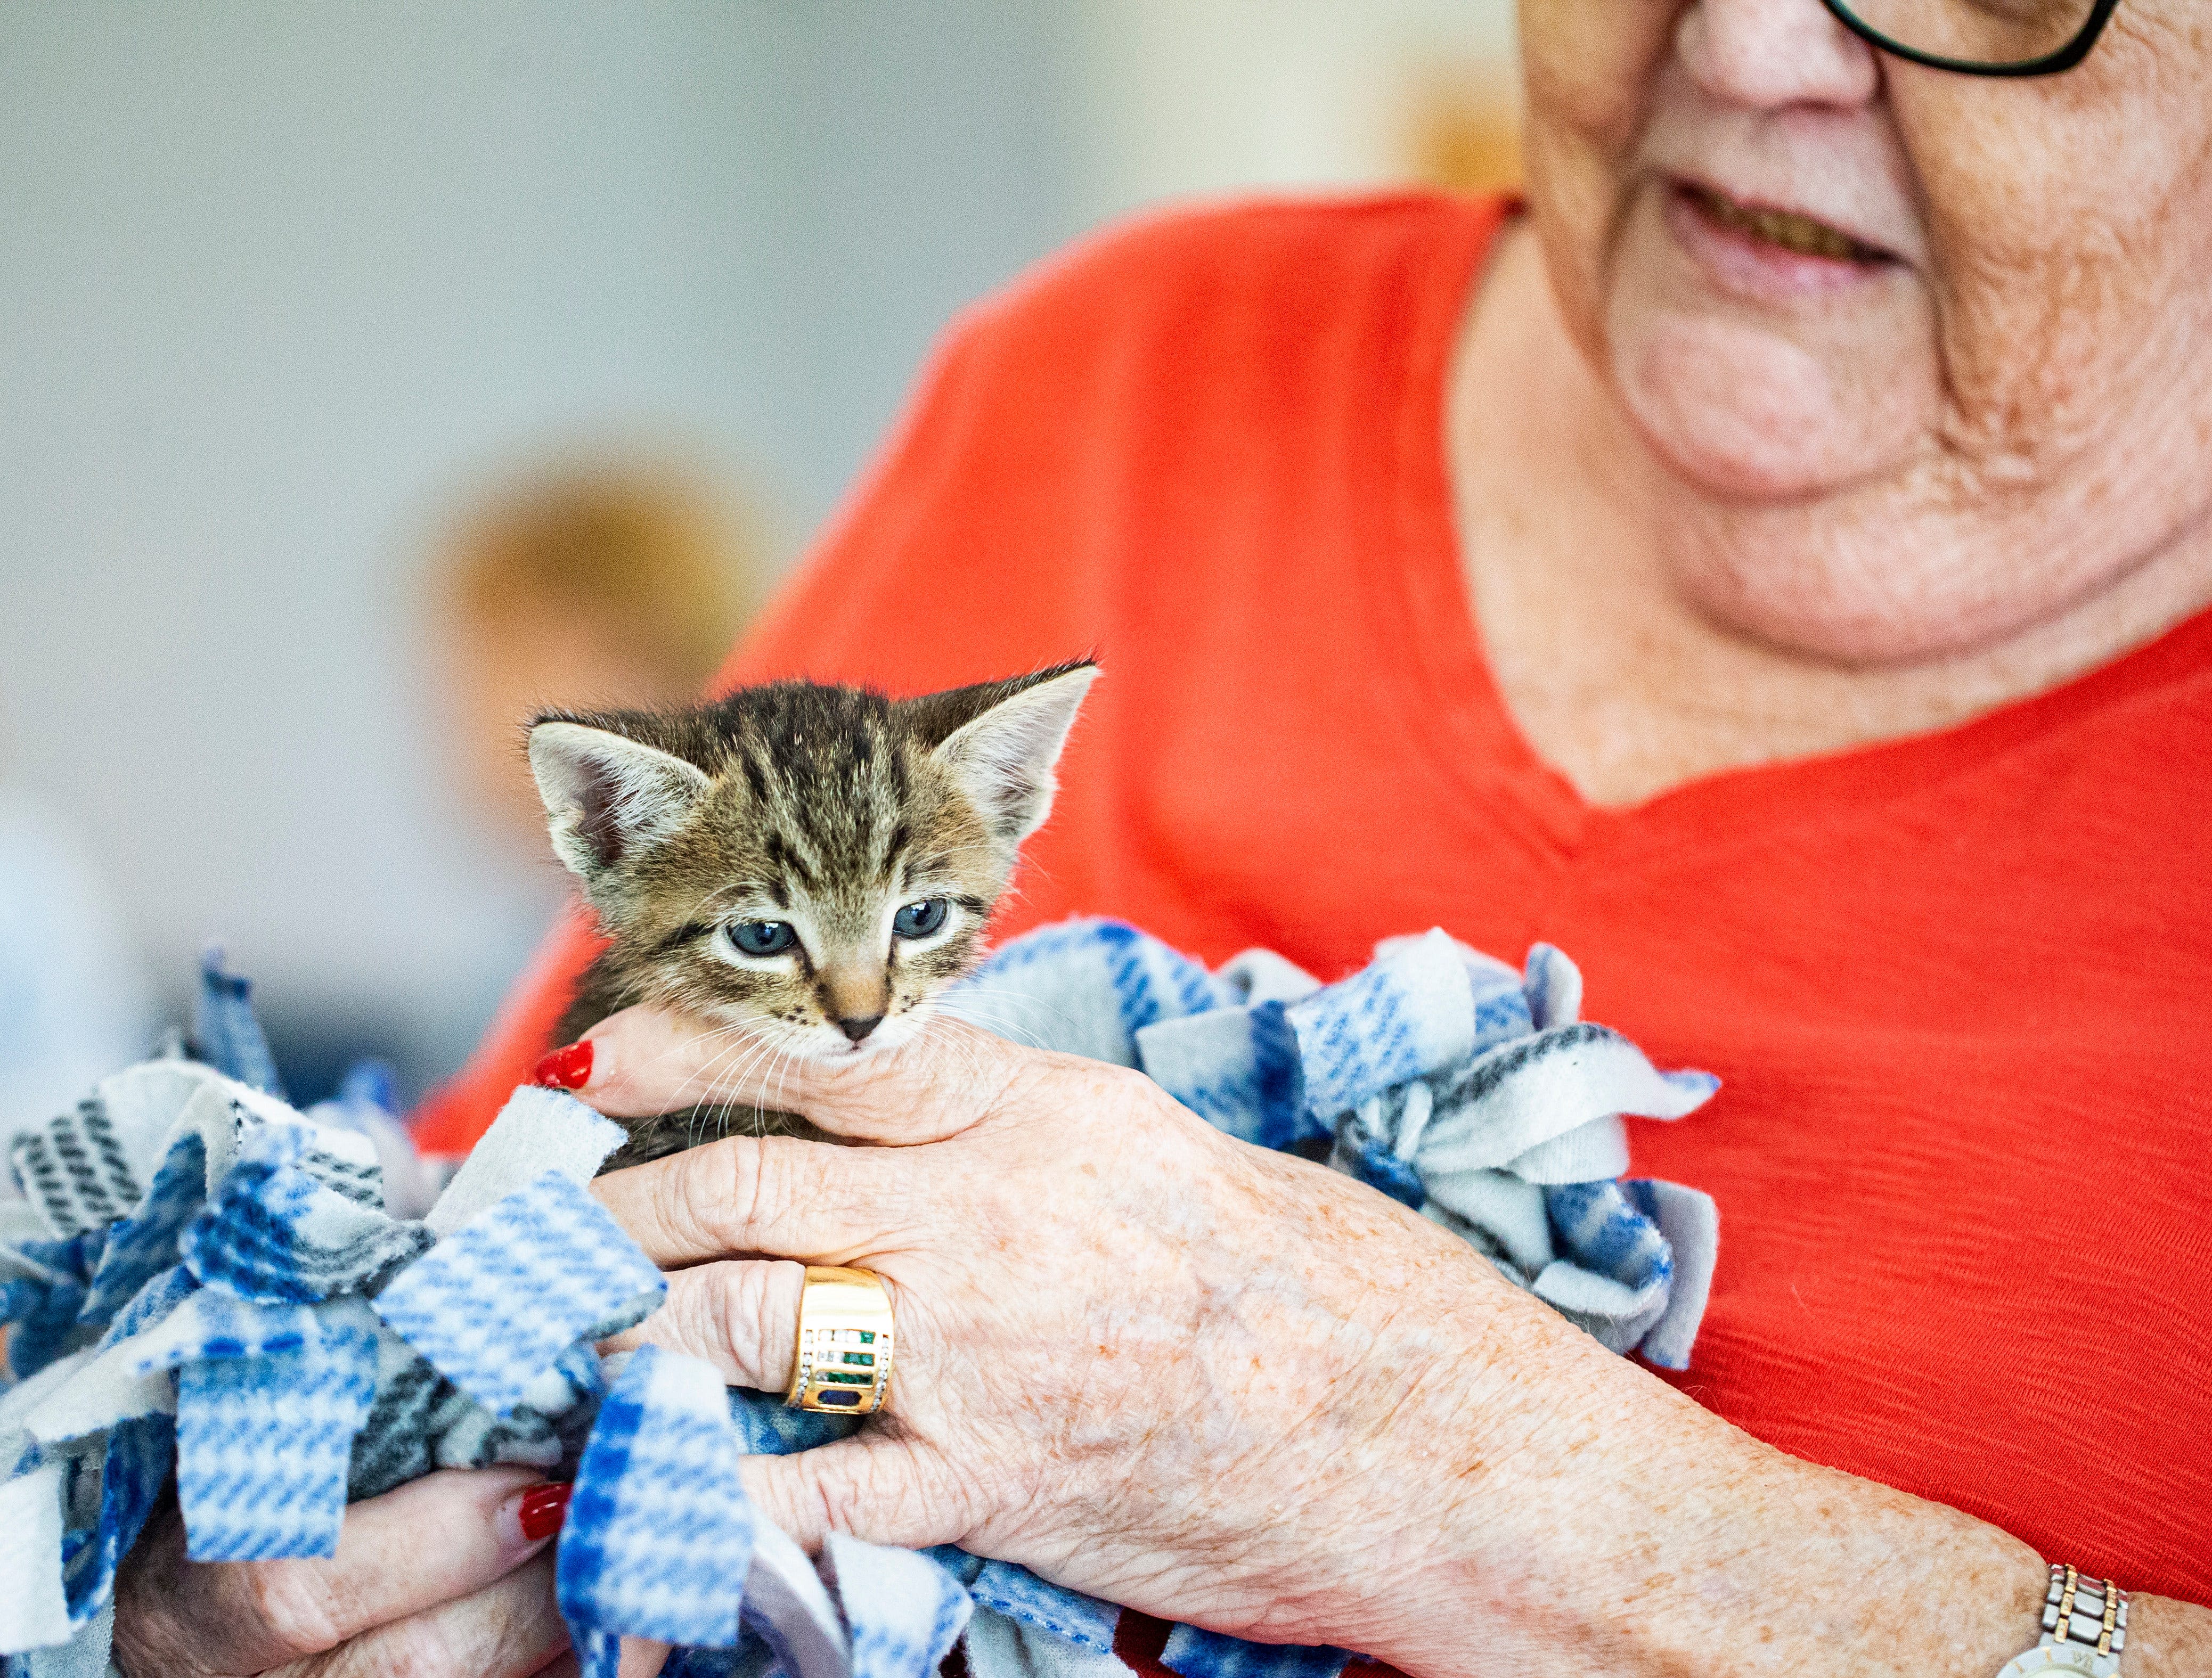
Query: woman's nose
[[1774, 53]]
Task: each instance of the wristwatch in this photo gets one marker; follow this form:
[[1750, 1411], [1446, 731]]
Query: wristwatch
[[2085, 1626]]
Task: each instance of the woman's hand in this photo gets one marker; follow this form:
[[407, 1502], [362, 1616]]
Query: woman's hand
[[1231, 1387], [1153, 1363], [437, 1578], [1150, 1361]]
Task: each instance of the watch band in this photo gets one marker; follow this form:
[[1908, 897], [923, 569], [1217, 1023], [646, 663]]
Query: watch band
[[2085, 1627]]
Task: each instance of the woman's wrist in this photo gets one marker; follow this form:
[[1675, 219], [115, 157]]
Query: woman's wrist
[[1634, 1532]]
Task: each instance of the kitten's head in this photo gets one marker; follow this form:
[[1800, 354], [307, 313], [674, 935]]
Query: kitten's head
[[807, 866]]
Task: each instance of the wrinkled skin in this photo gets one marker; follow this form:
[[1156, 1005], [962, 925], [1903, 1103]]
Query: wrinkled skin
[[1232, 1388]]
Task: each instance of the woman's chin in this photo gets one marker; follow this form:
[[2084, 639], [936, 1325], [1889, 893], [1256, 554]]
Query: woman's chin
[[1743, 411]]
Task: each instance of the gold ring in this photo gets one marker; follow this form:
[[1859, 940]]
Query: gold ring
[[842, 1360]]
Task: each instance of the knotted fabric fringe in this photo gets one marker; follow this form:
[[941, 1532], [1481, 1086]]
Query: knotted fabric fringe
[[208, 1289]]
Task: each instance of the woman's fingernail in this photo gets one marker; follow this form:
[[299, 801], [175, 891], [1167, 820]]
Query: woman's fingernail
[[568, 1068], [544, 1508]]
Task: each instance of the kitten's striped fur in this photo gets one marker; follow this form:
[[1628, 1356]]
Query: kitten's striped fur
[[825, 810]]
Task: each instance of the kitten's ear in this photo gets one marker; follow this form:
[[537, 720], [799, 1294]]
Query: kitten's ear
[[1003, 756], [606, 795]]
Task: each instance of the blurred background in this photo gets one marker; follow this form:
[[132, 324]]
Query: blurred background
[[369, 373]]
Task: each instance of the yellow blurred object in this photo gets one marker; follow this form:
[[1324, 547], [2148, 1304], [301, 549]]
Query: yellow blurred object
[[648, 557], [1462, 130], [598, 587]]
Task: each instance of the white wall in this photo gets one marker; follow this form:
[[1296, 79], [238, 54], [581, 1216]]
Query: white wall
[[276, 275], [1205, 97]]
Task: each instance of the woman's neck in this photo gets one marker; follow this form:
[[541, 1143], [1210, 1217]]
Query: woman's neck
[[1572, 539]]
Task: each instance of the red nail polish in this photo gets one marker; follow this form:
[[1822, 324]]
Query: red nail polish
[[543, 1509], [568, 1068]]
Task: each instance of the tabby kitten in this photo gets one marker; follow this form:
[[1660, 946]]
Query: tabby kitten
[[803, 867]]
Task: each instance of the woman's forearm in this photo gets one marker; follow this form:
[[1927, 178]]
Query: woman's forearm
[[1708, 1552]]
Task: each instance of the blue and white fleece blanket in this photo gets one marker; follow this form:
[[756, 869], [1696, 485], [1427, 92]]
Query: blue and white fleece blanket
[[212, 1289]]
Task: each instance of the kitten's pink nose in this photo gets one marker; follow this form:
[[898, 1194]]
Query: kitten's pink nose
[[858, 1029]]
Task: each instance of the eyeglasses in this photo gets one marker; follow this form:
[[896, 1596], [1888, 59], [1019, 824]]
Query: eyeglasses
[[1981, 37]]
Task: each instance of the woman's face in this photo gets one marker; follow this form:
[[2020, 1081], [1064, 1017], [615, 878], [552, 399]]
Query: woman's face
[[1818, 278]]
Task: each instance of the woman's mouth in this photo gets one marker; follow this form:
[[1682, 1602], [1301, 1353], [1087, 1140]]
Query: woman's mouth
[[1785, 228], [1757, 250]]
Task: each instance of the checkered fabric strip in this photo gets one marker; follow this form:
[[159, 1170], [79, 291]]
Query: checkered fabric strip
[[1502, 1010], [225, 1032], [46, 1300], [1196, 1654], [415, 1408], [262, 1442], [1691, 1223], [659, 1530], [150, 1305], [420, 1421], [359, 1180], [211, 1322], [74, 1170], [767, 1426], [751, 1658], [1235, 1067], [903, 1611], [494, 1304], [1504, 1007], [278, 1232], [1554, 986], [134, 1469], [1363, 1150], [1021, 1595], [1410, 1013], [1598, 1226], [1618, 1269], [547, 1431], [1087, 986], [33, 1606], [1522, 1094], [145, 1243]]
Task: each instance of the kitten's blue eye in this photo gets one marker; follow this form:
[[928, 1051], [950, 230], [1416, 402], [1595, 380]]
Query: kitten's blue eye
[[920, 919], [762, 937]]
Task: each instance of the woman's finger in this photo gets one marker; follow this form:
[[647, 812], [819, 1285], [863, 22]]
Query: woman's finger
[[741, 1316], [884, 1487], [758, 1194], [645, 1061], [428, 1542], [511, 1628]]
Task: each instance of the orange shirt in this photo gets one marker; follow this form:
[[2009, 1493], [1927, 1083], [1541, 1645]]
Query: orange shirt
[[1956, 985]]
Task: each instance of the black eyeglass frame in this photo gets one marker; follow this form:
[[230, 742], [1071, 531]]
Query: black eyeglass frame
[[2050, 64]]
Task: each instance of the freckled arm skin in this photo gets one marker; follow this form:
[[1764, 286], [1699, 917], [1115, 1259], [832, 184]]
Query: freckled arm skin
[[1228, 1387]]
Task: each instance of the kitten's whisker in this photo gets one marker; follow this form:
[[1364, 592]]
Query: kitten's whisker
[[976, 1003], [743, 1034]]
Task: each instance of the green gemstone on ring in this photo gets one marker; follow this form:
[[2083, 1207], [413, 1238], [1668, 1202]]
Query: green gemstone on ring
[[864, 1359], [867, 1337], [845, 1377]]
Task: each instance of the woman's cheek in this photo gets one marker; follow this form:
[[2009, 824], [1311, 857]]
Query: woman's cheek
[[1589, 69]]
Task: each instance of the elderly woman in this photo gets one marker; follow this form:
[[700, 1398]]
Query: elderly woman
[[1769, 566]]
